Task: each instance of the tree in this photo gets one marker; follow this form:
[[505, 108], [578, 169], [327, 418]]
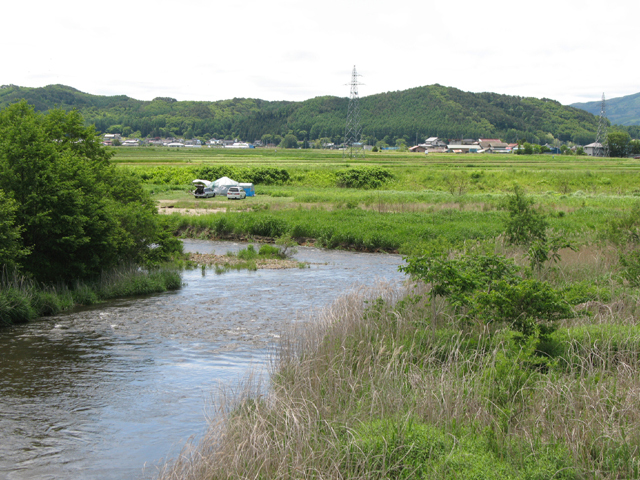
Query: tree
[[289, 141], [618, 143], [75, 213], [525, 223], [10, 247]]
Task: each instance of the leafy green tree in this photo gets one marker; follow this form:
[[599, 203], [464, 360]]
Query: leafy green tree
[[618, 142], [76, 214], [11, 251], [289, 141], [525, 223], [634, 147]]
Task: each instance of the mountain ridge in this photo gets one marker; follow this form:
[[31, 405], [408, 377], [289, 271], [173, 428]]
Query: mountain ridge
[[419, 112], [620, 110]]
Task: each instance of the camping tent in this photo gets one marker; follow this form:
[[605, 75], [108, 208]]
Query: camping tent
[[221, 185], [206, 183]]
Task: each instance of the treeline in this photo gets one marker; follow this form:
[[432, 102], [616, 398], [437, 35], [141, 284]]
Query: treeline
[[392, 118]]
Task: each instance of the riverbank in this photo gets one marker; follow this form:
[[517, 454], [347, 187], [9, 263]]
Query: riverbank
[[385, 384], [22, 300]]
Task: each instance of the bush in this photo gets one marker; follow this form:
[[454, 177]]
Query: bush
[[267, 250], [525, 223], [248, 253], [363, 177]]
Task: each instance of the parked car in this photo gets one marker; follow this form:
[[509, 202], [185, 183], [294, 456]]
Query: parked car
[[204, 189], [236, 193]]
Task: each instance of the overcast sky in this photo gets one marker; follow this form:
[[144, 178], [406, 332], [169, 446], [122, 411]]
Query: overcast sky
[[567, 50]]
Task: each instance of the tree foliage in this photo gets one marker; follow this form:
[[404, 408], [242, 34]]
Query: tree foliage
[[75, 214], [490, 288], [618, 142], [524, 223]]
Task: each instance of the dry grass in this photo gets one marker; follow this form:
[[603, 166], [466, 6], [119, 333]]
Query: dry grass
[[374, 355]]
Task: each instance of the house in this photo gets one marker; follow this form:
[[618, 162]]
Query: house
[[418, 149], [434, 142], [459, 148], [498, 149], [493, 145], [594, 149], [134, 142]]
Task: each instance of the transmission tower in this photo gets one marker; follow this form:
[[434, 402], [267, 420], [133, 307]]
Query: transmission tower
[[602, 146], [353, 146]]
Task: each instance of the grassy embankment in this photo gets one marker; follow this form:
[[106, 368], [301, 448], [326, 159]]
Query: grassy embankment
[[22, 300], [401, 384]]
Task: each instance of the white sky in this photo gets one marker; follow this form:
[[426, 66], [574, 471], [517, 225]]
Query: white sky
[[567, 50]]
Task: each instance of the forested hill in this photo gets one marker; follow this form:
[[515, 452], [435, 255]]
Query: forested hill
[[621, 110], [415, 113]]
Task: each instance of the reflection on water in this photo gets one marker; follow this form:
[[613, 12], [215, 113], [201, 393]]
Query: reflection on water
[[96, 393]]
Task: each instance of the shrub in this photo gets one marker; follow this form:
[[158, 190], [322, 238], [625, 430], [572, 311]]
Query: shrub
[[363, 177], [525, 223], [267, 250], [528, 306], [248, 253]]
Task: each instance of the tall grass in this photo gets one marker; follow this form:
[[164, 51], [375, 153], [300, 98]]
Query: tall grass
[[22, 299], [382, 385]]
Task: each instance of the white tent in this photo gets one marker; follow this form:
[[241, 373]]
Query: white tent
[[206, 183], [221, 185]]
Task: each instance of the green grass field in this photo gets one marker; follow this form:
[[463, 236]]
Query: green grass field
[[427, 199]]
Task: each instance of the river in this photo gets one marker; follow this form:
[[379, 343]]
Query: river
[[110, 391]]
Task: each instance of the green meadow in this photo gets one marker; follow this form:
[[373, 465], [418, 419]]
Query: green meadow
[[387, 201]]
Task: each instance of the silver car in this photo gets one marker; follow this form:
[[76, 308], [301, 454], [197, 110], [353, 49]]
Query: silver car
[[236, 193], [203, 192]]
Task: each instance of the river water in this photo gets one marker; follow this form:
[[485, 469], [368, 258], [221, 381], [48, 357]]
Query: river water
[[108, 392]]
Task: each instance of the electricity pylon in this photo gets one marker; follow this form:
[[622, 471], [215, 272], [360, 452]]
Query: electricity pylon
[[601, 138], [353, 146]]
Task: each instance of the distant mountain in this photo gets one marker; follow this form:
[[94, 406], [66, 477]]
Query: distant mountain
[[619, 111], [412, 114]]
